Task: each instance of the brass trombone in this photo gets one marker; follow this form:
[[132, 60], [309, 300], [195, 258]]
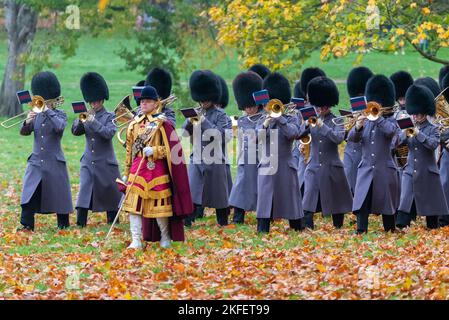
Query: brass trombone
[[36, 105]]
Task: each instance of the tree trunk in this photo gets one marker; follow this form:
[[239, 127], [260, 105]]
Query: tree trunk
[[20, 23]]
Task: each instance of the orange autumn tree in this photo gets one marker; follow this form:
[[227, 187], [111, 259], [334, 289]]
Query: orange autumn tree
[[283, 33]]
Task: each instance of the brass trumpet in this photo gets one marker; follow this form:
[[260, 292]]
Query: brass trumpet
[[36, 105], [410, 132], [83, 116], [275, 108]]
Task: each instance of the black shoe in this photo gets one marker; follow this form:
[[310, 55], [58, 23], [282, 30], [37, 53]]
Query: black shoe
[[111, 217], [239, 217], [188, 221], [222, 219], [25, 229], [360, 232]]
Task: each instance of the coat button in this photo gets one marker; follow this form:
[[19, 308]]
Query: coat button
[[43, 124], [93, 151], [373, 167], [93, 162], [93, 139], [372, 142], [42, 137], [42, 160], [416, 149], [42, 148], [415, 171], [372, 154]]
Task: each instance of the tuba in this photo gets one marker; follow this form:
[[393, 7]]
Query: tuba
[[442, 111], [36, 105], [124, 114]]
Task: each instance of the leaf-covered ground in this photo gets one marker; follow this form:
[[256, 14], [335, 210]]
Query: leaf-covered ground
[[220, 263]]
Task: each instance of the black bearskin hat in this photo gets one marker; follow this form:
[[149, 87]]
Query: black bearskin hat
[[244, 85], [430, 83], [402, 81], [381, 90], [224, 97], [278, 87], [94, 87], [445, 85], [261, 70], [323, 92], [46, 85], [161, 80], [419, 99], [204, 86], [307, 75], [443, 72], [356, 82], [297, 92]]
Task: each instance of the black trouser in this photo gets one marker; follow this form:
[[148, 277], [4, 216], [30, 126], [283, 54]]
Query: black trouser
[[81, 217], [405, 218], [444, 221], [363, 215], [337, 219], [263, 224], [198, 212], [33, 206], [239, 216], [222, 215]]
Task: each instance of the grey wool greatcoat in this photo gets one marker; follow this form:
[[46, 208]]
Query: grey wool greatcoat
[[244, 191], [444, 165], [99, 167], [421, 178], [299, 157], [325, 176], [351, 159], [377, 166], [47, 164], [209, 181], [278, 192]]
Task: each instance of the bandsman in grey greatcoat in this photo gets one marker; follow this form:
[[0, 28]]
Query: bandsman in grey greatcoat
[[376, 190], [208, 174], [244, 191], [300, 91], [444, 162], [99, 167], [46, 184], [356, 83], [422, 191], [326, 186], [278, 195]]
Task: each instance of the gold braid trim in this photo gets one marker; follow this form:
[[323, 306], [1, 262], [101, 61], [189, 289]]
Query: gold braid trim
[[147, 186], [168, 155]]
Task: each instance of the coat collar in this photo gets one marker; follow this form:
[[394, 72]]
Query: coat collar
[[100, 112]]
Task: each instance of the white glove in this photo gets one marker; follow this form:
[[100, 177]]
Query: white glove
[[148, 151], [90, 117], [45, 108], [125, 179], [447, 143], [162, 117], [319, 123], [360, 122], [267, 121], [31, 116]]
